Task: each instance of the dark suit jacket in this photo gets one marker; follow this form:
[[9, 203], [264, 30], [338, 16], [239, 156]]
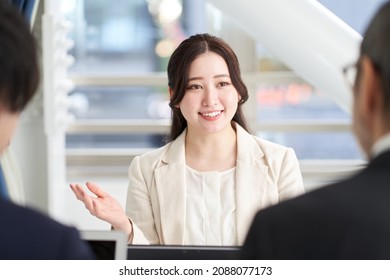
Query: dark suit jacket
[[27, 234], [347, 220]]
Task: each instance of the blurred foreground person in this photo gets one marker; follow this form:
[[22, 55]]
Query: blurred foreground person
[[25, 233], [349, 219]]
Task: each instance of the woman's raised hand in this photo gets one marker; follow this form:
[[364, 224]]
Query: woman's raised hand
[[103, 206]]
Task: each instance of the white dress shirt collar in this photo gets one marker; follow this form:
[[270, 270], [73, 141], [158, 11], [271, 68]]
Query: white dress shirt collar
[[381, 146]]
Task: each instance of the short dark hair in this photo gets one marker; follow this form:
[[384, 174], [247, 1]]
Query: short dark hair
[[376, 45], [19, 72], [178, 67]]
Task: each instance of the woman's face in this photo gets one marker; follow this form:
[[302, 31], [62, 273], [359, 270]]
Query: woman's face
[[210, 100]]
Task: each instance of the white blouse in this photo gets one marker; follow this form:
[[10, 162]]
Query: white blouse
[[210, 208]]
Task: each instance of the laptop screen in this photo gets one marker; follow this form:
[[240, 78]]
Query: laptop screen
[[107, 245], [112, 245], [165, 252]]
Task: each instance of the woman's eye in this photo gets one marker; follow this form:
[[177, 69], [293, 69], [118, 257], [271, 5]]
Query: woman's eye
[[223, 84], [194, 87]]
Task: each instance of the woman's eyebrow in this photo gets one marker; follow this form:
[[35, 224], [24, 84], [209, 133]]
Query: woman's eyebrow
[[222, 76], [216, 76], [195, 78]]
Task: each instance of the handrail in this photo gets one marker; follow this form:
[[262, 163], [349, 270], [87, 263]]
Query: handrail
[[160, 78], [162, 126]]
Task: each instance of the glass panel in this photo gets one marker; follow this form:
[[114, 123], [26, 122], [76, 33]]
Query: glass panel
[[317, 145], [120, 103], [124, 36], [356, 13], [300, 101], [296, 100], [80, 141]]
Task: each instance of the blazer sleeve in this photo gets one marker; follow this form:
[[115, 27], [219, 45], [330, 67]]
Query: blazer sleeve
[[139, 208], [290, 183]]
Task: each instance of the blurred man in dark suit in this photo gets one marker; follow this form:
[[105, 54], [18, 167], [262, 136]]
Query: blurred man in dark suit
[[350, 219], [25, 233]]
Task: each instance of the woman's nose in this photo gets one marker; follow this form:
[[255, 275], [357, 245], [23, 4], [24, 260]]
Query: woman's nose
[[210, 97]]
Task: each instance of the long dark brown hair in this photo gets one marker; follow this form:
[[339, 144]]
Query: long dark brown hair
[[178, 66]]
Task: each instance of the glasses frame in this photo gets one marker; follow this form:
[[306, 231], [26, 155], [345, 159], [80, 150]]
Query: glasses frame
[[350, 73]]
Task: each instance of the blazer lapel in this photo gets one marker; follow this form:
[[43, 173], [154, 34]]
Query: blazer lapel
[[251, 180], [171, 189]]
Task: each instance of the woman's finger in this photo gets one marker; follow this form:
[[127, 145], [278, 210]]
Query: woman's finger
[[82, 196], [94, 188], [77, 190]]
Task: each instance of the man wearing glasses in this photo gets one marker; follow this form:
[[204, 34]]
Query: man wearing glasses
[[350, 219]]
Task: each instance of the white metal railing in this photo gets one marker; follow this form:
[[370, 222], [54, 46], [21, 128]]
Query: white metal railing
[[103, 126], [150, 79], [317, 173], [160, 79], [162, 126]]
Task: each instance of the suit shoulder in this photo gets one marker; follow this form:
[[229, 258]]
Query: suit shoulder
[[31, 234], [25, 217]]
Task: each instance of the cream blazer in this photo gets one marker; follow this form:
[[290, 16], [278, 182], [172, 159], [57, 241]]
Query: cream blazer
[[266, 173]]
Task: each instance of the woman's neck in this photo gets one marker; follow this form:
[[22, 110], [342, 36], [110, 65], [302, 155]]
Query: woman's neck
[[211, 152]]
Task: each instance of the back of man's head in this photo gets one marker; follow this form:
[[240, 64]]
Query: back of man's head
[[19, 72], [376, 45]]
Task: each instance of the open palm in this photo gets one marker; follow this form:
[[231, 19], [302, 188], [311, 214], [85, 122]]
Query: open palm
[[102, 205]]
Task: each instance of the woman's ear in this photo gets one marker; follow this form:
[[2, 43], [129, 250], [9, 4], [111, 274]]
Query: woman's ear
[[170, 92], [371, 87], [171, 95]]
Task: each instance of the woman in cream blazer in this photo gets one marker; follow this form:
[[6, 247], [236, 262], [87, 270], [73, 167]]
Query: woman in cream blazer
[[266, 173], [203, 187]]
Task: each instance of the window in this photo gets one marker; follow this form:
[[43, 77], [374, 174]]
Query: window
[[356, 14]]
